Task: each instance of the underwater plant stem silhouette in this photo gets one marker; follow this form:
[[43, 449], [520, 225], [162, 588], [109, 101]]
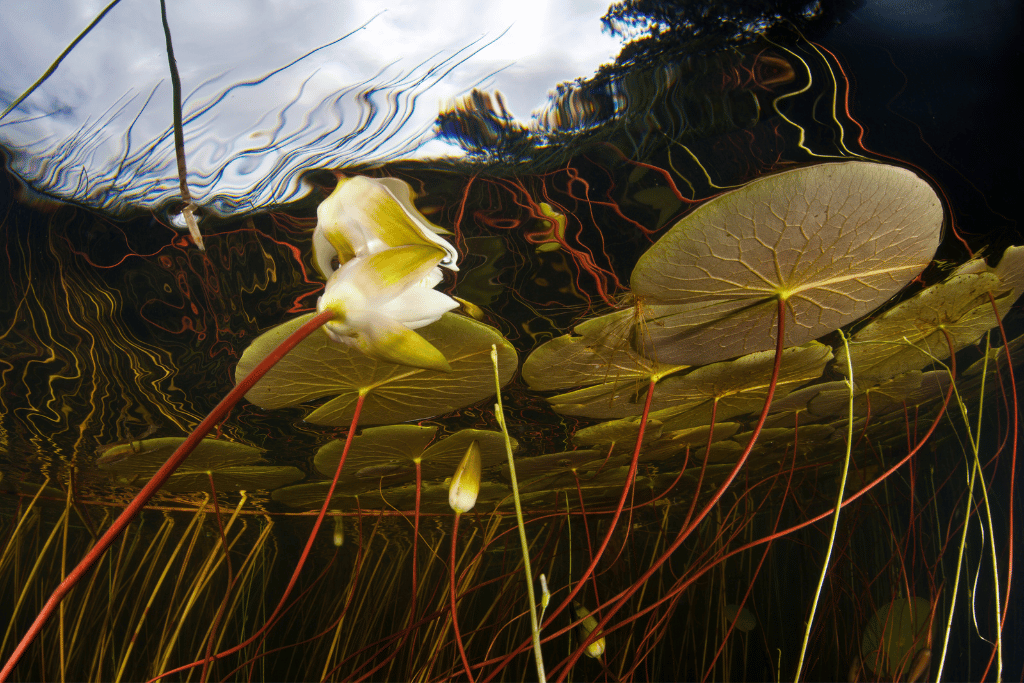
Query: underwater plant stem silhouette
[[159, 479], [839, 506], [567, 601], [499, 412]]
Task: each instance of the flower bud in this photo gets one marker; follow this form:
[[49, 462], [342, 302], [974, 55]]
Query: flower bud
[[339, 532], [465, 485], [596, 648]]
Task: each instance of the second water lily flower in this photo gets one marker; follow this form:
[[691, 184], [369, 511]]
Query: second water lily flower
[[380, 299]]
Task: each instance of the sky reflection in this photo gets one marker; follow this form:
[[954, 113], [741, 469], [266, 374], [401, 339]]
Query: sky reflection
[[268, 88]]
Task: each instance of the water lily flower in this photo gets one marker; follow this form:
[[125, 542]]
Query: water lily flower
[[381, 298], [366, 215]]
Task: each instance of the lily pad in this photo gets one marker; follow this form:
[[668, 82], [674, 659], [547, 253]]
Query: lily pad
[[596, 356], [245, 477], [541, 465], [312, 494], [834, 241], [319, 367], [616, 431], [669, 450], [393, 445], [144, 458], [912, 334], [392, 452], [874, 399], [739, 386]]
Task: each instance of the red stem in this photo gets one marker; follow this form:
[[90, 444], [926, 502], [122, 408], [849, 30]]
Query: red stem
[[685, 531], [158, 480], [455, 620], [302, 557]]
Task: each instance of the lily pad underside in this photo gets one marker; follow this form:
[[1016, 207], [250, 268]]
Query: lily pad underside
[[144, 458], [912, 334], [391, 452], [319, 367], [833, 241], [739, 386], [572, 361]]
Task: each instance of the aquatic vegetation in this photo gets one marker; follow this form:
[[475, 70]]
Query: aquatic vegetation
[[670, 466]]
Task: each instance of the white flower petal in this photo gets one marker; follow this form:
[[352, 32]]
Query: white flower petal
[[418, 307]]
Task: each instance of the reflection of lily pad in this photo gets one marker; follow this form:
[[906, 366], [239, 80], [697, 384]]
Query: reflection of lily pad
[[911, 334], [144, 458], [392, 451], [833, 240], [894, 636], [319, 367]]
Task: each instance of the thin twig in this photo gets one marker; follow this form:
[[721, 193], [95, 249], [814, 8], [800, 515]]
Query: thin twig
[[53, 67], [179, 137]]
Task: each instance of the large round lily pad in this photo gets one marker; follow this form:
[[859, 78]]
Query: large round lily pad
[[319, 367], [834, 241]]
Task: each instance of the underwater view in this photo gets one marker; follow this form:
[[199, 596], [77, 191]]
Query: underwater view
[[659, 341]]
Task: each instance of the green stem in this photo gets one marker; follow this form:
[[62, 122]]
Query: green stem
[[499, 412], [839, 506]]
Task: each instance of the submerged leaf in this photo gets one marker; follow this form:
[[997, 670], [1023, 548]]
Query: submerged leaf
[[318, 367], [570, 361], [683, 401], [834, 241], [894, 635]]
